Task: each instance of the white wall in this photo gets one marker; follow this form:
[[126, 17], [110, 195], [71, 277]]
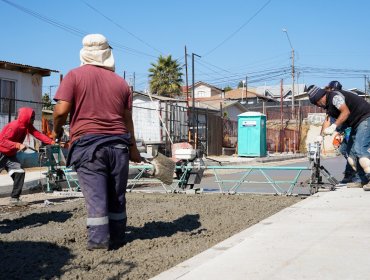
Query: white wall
[[27, 87], [146, 122], [202, 91]]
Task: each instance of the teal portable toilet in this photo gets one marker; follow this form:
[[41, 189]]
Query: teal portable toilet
[[252, 134]]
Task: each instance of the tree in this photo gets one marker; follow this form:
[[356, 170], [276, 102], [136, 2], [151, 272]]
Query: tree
[[227, 88], [165, 77], [46, 102]]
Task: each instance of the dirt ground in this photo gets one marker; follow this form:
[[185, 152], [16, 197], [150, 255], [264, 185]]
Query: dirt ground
[[47, 239]]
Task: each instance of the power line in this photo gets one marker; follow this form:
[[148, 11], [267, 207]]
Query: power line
[[236, 31], [70, 29], [121, 27]]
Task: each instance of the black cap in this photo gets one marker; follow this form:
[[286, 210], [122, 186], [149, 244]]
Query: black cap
[[315, 93], [335, 85]]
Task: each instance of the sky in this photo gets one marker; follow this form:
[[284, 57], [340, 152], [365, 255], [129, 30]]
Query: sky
[[236, 39]]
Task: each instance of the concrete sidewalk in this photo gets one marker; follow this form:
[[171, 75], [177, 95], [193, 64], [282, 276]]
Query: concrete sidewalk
[[326, 236]]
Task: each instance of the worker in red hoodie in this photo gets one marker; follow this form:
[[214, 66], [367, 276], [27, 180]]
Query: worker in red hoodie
[[11, 141]]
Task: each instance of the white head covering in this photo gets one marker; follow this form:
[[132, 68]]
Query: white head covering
[[96, 51]]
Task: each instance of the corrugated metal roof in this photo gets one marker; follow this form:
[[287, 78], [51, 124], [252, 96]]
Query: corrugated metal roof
[[25, 68]]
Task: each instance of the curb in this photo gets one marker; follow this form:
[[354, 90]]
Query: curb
[[280, 158], [28, 187], [258, 160]]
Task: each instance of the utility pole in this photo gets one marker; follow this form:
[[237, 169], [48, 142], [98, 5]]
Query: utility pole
[[243, 84], [281, 105], [246, 91], [186, 78], [193, 95], [133, 84], [52, 86], [187, 92], [293, 74], [281, 116], [365, 84]]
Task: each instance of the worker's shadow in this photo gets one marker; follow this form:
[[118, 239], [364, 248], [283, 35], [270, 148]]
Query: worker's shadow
[[33, 220], [151, 230], [32, 260]]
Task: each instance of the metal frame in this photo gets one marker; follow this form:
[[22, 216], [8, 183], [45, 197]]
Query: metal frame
[[68, 172], [262, 169], [222, 183], [138, 179]]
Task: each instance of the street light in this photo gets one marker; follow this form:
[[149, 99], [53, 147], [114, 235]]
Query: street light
[[290, 43]]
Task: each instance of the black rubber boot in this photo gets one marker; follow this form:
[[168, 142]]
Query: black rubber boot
[[18, 179]]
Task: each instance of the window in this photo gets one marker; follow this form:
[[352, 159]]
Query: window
[[7, 96], [201, 93]]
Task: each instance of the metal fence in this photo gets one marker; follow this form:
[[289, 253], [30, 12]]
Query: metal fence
[[207, 133], [275, 111], [283, 140], [286, 139], [201, 127], [229, 133]]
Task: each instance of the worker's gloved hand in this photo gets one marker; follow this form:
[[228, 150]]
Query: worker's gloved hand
[[330, 130], [319, 138]]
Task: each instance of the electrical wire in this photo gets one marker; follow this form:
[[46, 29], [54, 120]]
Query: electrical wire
[[120, 26], [70, 29], [237, 30]]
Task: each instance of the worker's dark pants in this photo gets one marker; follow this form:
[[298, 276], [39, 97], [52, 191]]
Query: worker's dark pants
[[103, 182], [18, 181], [14, 168]]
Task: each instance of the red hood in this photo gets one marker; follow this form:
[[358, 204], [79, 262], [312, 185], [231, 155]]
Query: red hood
[[24, 116]]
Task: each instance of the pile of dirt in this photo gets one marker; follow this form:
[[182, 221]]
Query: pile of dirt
[[47, 239]]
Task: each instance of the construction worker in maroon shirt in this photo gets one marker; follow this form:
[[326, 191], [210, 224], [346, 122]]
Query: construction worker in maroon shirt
[[102, 136]]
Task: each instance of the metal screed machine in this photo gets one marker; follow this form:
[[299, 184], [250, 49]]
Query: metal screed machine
[[317, 170]]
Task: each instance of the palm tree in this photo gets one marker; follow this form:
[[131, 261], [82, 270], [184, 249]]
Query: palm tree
[[165, 77]]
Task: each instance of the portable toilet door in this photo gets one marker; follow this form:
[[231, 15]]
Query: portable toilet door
[[252, 134]]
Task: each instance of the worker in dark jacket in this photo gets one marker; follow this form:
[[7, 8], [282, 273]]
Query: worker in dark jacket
[[352, 111], [102, 135], [11, 141]]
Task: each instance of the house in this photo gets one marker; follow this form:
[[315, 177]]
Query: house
[[247, 97], [20, 86], [276, 92], [304, 96], [204, 90]]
